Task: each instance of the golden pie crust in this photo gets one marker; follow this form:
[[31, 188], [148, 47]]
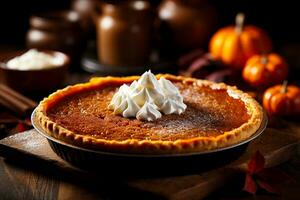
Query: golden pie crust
[[144, 146]]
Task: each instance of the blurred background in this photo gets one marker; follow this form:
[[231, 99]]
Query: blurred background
[[280, 19]]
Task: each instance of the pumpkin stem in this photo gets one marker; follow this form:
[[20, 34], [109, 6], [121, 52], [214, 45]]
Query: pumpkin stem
[[264, 59], [239, 22], [284, 86]]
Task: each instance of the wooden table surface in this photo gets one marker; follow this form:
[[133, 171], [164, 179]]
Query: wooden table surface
[[23, 182]]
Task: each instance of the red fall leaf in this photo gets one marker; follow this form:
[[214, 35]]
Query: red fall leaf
[[21, 127], [250, 185], [269, 179], [256, 163]]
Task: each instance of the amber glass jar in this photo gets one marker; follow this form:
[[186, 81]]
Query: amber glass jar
[[186, 24], [59, 31], [124, 33]]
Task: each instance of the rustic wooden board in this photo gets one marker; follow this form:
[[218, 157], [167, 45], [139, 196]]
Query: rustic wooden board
[[276, 146]]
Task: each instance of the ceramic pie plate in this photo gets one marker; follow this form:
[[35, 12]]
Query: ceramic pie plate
[[96, 160]]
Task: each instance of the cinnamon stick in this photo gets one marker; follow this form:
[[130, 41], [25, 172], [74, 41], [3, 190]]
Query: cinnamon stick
[[15, 101]]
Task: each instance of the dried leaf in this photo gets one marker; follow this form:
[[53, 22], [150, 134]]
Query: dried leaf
[[256, 163], [21, 127], [250, 185]]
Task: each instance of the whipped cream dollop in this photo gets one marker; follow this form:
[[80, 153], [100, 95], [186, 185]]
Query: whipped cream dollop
[[34, 60], [147, 99]]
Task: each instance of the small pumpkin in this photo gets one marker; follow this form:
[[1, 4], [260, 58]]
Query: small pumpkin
[[265, 70], [233, 45], [282, 100]]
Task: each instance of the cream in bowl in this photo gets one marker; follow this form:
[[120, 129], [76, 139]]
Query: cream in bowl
[[34, 70], [35, 60]]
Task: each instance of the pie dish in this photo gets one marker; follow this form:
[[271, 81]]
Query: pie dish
[[217, 116]]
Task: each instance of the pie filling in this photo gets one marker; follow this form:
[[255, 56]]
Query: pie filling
[[210, 112]]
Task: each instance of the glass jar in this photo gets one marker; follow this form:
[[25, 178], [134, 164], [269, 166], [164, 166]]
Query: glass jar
[[59, 31], [124, 33], [186, 24]]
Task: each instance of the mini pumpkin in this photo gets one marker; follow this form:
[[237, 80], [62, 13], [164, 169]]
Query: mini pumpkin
[[265, 70], [282, 100], [233, 45]]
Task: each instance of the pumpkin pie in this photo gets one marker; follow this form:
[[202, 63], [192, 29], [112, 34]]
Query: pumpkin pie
[[216, 116]]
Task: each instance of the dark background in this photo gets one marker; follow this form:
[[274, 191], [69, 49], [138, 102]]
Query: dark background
[[279, 18]]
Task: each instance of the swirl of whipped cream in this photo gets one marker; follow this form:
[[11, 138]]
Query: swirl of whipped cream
[[173, 100], [148, 112], [147, 98]]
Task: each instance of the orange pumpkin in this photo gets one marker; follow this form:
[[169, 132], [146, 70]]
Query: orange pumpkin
[[282, 100], [265, 70], [233, 45]]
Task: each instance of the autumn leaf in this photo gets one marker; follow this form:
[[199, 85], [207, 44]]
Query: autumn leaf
[[250, 185], [21, 127], [257, 176], [24, 125], [256, 163]]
